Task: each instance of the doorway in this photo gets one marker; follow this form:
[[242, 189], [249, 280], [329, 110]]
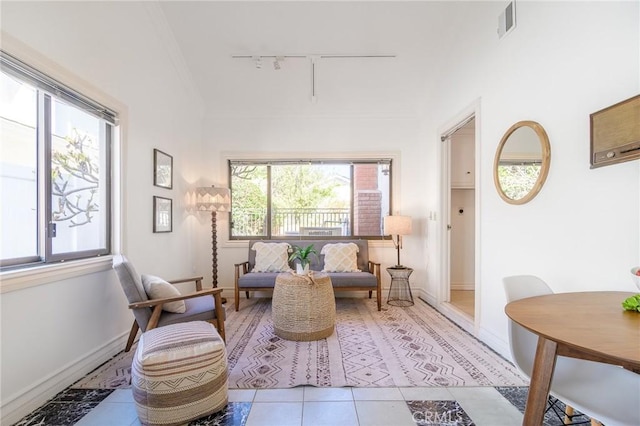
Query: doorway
[[459, 295]]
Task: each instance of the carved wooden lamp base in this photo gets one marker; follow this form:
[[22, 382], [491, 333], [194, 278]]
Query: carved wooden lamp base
[[214, 200], [214, 254]]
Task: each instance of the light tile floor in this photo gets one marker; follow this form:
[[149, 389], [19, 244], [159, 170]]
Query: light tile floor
[[310, 406]]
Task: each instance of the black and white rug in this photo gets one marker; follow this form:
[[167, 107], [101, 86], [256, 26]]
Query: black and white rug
[[399, 346], [412, 346]]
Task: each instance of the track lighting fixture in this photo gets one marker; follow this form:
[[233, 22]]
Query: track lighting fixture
[[313, 59]]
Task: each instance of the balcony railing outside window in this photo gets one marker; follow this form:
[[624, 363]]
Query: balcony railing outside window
[[285, 222], [309, 198]]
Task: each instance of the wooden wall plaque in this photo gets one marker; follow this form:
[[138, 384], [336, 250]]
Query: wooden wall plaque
[[615, 133]]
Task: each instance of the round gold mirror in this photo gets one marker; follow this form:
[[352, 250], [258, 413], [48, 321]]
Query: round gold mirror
[[522, 162]]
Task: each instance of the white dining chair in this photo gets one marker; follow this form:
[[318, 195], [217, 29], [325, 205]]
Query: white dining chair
[[601, 391]]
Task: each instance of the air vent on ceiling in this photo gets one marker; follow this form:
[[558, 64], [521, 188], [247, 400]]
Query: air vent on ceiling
[[507, 20]]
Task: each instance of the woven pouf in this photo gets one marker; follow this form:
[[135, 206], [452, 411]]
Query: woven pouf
[[303, 306], [179, 373]]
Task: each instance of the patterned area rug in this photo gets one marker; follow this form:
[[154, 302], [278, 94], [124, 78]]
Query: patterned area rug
[[413, 346]]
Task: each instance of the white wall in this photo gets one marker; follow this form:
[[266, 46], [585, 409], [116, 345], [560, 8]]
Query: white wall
[[462, 275], [562, 62], [54, 333]]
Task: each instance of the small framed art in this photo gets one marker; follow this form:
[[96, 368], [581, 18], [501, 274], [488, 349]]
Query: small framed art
[[162, 214], [162, 169]]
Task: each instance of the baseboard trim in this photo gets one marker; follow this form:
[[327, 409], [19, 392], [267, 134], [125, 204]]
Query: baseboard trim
[[458, 317], [427, 297], [495, 343], [485, 336], [29, 399], [463, 286]]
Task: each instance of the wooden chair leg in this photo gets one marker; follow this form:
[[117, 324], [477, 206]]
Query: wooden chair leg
[[370, 293], [236, 296], [132, 336], [568, 412], [217, 301]]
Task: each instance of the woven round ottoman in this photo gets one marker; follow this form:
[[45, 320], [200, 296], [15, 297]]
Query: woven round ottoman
[[303, 306], [179, 373]]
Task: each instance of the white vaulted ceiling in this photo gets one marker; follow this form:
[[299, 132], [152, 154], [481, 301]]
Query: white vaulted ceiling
[[209, 33]]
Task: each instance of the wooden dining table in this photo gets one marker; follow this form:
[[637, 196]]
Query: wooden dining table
[[586, 325]]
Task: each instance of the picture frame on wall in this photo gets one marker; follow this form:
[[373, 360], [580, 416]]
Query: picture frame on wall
[[615, 133], [162, 214], [162, 169]]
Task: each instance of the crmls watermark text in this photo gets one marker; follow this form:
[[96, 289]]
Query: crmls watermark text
[[435, 418]]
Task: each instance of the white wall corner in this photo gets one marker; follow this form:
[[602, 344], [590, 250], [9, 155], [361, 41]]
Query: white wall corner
[[168, 40], [426, 297], [25, 401]]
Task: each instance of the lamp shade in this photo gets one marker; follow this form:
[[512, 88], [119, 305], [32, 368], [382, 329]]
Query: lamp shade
[[397, 225], [212, 199]]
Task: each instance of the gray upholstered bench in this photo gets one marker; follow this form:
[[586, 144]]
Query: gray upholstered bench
[[367, 279]]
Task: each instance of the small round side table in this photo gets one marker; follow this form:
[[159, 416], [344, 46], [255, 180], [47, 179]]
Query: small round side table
[[400, 290]]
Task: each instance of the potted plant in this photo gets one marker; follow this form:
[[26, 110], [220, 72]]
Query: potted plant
[[303, 256]]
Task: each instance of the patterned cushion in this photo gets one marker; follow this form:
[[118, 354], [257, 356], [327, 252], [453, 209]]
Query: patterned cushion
[[157, 288], [340, 257], [271, 257], [179, 373]]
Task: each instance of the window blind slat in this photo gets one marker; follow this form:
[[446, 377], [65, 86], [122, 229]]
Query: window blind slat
[[24, 72]]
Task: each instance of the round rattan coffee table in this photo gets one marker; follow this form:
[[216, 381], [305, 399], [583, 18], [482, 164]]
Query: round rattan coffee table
[[303, 306]]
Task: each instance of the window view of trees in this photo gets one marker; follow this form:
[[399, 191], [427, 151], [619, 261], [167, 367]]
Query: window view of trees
[[78, 181], [52, 136], [307, 199], [517, 180], [249, 200], [75, 179]]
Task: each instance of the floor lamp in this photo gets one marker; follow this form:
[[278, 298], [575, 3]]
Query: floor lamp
[[212, 199], [398, 226]]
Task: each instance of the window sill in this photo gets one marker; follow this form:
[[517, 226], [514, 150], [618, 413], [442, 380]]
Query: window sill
[[38, 275]]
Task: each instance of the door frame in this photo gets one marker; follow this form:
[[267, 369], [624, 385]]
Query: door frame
[[443, 293]]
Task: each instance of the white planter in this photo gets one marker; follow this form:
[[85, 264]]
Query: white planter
[[302, 271]]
